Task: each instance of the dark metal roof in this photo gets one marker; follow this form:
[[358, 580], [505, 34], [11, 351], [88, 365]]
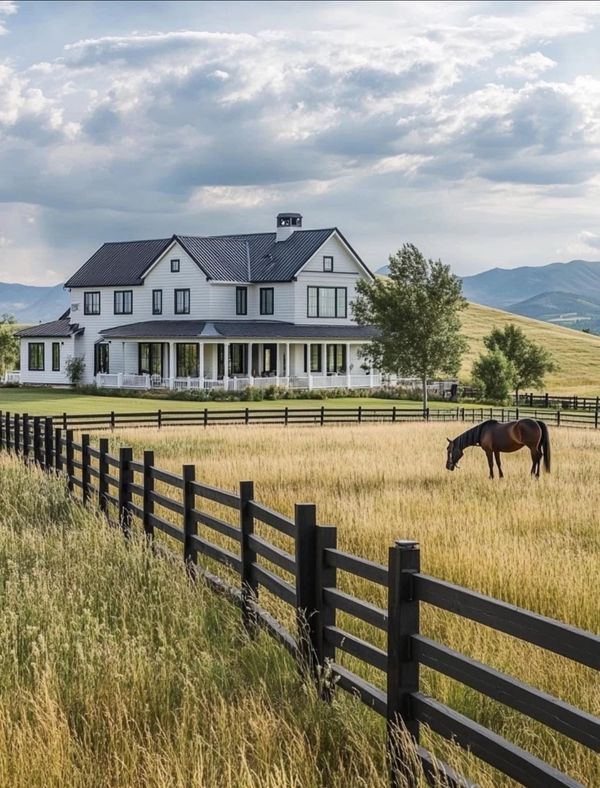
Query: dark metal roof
[[119, 263], [256, 257], [235, 329], [57, 328]]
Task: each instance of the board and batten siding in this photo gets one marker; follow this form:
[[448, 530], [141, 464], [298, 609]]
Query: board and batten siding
[[345, 273], [47, 375]]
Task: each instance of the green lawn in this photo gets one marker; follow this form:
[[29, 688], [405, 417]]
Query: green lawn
[[49, 402]]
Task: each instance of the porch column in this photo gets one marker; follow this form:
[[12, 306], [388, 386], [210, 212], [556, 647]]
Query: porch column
[[225, 365], [348, 379], [277, 364], [249, 371], [201, 362], [324, 358], [371, 377], [287, 363], [308, 366], [172, 365]]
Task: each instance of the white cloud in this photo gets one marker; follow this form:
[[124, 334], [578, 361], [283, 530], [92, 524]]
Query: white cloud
[[528, 66], [7, 7]]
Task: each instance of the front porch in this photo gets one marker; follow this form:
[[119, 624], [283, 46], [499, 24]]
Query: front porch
[[231, 366]]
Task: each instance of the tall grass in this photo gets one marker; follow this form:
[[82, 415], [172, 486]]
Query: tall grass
[[534, 544], [116, 670]]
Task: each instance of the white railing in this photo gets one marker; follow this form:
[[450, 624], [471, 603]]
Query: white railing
[[194, 383], [131, 381], [104, 380], [12, 377]]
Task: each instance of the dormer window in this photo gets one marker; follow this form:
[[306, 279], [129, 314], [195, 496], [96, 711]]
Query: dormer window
[[175, 265], [328, 263]]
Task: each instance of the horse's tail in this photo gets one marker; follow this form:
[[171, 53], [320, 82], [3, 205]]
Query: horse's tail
[[545, 445]]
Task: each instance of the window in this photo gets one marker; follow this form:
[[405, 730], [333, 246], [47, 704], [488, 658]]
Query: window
[[239, 358], [150, 358], [269, 359], [315, 358], [91, 303], [101, 352], [327, 263], [336, 358], [36, 356], [175, 265], [157, 302], [241, 300], [266, 300], [182, 302], [187, 360], [327, 301], [123, 302], [56, 357]]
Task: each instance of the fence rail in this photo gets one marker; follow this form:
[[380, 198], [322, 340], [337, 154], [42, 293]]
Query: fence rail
[[206, 417], [313, 562]]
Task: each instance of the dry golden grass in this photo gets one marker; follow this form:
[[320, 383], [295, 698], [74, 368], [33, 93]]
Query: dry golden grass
[[535, 544]]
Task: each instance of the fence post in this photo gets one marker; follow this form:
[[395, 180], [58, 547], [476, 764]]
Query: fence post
[[17, 433], [249, 586], [325, 577], [69, 455], [427, 414], [393, 413], [206, 417], [112, 420], [322, 415], [148, 503], [596, 418], [190, 526], [306, 604], [286, 415], [102, 471], [85, 467], [403, 669], [58, 449], [462, 414], [47, 444], [36, 440], [25, 437], [558, 418], [125, 479], [159, 418], [246, 416], [7, 430], [65, 423]]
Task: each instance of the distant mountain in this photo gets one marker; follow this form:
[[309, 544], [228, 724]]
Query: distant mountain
[[30, 304], [556, 307], [505, 287]]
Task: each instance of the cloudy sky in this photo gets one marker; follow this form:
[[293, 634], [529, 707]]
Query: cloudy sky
[[470, 129]]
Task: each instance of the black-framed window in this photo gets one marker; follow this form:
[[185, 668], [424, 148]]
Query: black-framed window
[[238, 358], [336, 358], [36, 356], [315, 358], [123, 302], [182, 301], [101, 358], [56, 357], [157, 302], [267, 299], [328, 263], [91, 303], [175, 266], [326, 301], [150, 358], [241, 300], [187, 359]]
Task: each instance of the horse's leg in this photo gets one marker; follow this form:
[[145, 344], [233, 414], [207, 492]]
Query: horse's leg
[[490, 459], [497, 456], [535, 463]]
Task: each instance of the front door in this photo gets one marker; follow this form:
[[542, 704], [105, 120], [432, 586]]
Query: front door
[[269, 359]]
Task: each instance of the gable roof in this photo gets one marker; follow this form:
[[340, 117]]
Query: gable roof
[[256, 257], [56, 328]]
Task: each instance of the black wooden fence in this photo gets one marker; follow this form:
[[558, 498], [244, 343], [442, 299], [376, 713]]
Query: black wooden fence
[[564, 401], [207, 417], [135, 493]]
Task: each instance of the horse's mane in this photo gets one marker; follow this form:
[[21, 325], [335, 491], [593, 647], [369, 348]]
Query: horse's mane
[[472, 437]]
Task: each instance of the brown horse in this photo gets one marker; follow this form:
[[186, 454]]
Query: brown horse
[[494, 437]]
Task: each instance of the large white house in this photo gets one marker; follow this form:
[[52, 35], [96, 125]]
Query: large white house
[[211, 311]]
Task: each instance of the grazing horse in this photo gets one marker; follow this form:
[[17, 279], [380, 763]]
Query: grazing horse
[[494, 437]]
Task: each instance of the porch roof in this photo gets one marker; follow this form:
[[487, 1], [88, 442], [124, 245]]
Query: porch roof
[[235, 329], [56, 328]]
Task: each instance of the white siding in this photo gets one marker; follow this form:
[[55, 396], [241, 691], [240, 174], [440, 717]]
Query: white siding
[[47, 376], [222, 302]]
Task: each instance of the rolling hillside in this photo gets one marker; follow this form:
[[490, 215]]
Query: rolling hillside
[[578, 354]]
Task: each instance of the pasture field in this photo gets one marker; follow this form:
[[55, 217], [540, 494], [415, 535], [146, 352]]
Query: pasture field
[[533, 544]]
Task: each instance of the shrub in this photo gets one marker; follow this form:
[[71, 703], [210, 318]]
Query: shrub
[[75, 368]]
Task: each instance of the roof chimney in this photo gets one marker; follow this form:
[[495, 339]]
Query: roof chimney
[[286, 224]]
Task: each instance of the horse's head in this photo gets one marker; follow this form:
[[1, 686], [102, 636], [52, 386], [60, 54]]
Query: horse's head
[[455, 453]]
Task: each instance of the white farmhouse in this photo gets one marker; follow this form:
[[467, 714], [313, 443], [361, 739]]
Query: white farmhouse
[[211, 312]]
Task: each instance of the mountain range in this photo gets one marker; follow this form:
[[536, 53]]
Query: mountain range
[[31, 304], [563, 293]]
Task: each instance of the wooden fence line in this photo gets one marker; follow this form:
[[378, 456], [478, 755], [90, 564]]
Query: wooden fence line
[[206, 417], [125, 489]]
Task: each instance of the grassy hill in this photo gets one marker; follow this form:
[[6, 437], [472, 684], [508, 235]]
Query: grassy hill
[[577, 354]]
